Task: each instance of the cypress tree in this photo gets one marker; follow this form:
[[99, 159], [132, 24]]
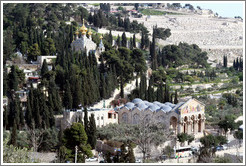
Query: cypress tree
[[36, 112], [5, 117], [22, 123], [92, 140], [124, 40], [142, 86], [102, 66], [13, 78], [118, 41], [150, 94], [68, 100], [77, 96], [134, 41], [142, 41], [44, 68], [131, 43], [176, 97], [110, 38], [86, 123], [13, 138], [153, 52], [237, 64], [102, 86], [159, 92], [167, 93]]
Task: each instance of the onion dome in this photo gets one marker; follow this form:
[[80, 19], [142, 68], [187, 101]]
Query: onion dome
[[89, 32], [83, 29], [77, 32]]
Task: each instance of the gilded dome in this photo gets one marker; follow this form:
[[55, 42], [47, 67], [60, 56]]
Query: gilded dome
[[89, 32], [83, 29]]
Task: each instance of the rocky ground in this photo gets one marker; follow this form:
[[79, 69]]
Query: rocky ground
[[217, 36]]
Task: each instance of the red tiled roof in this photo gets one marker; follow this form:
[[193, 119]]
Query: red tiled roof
[[33, 78], [112, 112]]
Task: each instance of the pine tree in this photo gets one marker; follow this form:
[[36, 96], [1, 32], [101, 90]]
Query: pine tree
[[124, 40], [123, 154], [92, 140], [130, 155], [13, 138]]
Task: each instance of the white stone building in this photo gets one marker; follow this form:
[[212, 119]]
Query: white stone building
[[102, 116]]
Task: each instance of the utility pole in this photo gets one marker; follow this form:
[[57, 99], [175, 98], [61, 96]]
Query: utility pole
[[76, 150]]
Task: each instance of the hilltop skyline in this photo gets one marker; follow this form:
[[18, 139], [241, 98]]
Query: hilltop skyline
[[224, 9]]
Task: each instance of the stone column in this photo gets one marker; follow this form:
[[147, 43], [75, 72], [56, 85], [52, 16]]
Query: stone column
[[195, 126], [189, 126], [202, 124], [180, 127]]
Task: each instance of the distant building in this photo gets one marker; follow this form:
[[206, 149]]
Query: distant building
[[102, 116], [187, 117], [49, 59], [22, 94]]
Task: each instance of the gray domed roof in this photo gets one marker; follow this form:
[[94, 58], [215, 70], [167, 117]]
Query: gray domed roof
[[137, 100], [157, 103], [148, 104], [141, 106], [166, 108], [170, 104], [153, 107], [130, 105]]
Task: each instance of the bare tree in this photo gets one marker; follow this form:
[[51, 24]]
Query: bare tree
[[35, 137], [148, 133]]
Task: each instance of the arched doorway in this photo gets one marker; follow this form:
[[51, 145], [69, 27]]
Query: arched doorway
[[199, 123], [185, 124], [125, 117], [173, 124], [135, 118]]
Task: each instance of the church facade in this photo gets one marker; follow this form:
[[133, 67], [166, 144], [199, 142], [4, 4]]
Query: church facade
[[184, 117], [85, 43]]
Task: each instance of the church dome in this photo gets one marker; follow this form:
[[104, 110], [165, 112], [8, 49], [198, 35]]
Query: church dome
[[83, 29], [137, 100], [89, 32]]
